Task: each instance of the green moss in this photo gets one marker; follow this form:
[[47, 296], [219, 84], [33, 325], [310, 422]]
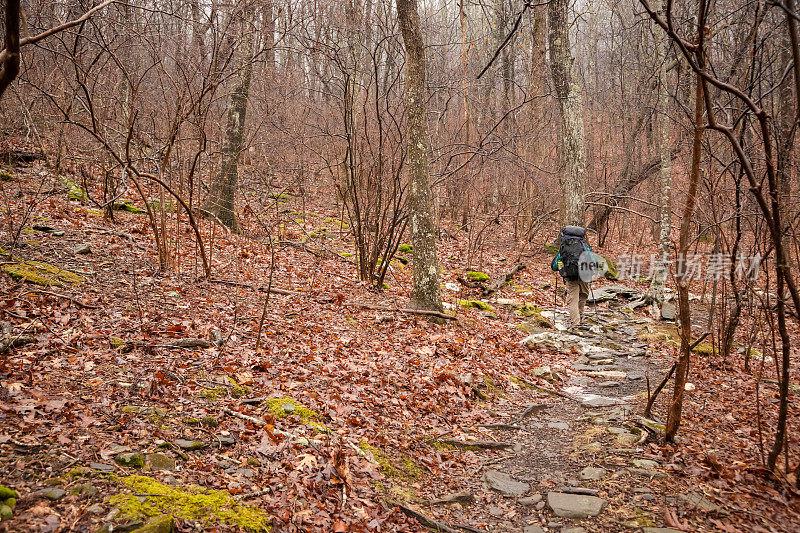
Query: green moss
[[237, 391], [126, 206], [41, 273], [477, 304], [280, 199], [6, 513], [477, 277], [704, 348], [188, 502], [610, 268], [74, 190], [535, 314], [346, 255], [405, 468], [213, 395], [157, 524], [208, 421], [307, 416], [116, 342], [6, 493], [405, 248], [6, 176], [134, 460], [11, 502]]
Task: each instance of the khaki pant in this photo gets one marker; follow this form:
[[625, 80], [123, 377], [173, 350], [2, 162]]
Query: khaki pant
[[577, 292]]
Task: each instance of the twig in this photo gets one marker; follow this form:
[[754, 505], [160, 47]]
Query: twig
[[500, 283], [57, 295], [272, 290]]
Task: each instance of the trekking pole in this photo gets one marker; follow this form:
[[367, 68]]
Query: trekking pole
[[555, 301]]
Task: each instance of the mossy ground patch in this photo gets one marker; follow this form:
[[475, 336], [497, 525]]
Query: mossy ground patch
[[188, 502]]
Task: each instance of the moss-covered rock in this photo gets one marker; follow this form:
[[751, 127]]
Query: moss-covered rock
[[127, 206], [405, 248], [534, 315], [704, 348], [283, 407], [6, 493], [208, 507], [160, 461], [42, 274], [6, 513], [158, 524], [134, 460], [478, 304], [74, 190], [608, 267], [477, 277]]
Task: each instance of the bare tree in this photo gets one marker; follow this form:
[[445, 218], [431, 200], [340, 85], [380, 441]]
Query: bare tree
[[426, 292]]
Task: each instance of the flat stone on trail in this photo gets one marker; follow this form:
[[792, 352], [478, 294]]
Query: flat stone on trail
[[593, 473], [699, 501], [504, 484], [660, 530], [102, 467], [595, 400], [160, 461], [530, 501], [608, 374], [188, 444], [645, 463], [53, 493], [608, 384], [574, 505]]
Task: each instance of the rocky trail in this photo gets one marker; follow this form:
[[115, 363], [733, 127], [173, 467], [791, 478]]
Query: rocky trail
[[581, 459]]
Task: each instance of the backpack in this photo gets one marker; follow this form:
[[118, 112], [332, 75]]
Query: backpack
[[569, 254]]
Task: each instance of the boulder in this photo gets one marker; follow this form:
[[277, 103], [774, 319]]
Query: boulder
[[668, 311], [504, 484], [574, 505]]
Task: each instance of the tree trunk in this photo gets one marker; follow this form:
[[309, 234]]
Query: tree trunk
[[682, 367], [568, 92], [656, 291], [221, 201], [426, 292], [9, 57]]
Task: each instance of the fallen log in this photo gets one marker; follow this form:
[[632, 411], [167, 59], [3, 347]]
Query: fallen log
[[482, 444], [425, 312], [502, 282], [430, 523]]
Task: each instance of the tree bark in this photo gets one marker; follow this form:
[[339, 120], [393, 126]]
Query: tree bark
[[426, 293], [222, 199], [568, 92], [682, 365], [9, 58], [656, 290]]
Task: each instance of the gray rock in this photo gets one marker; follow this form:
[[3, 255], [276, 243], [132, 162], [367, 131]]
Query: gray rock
[[496, 512], [645, 463], [660, 530], [574, 505], [96, 509], [288, 408], [698, 500], [530, 501], [540, 505], [504, 484], [668, 311], [558, 425], [594, 400], [184, 444], [593, 473], [608, 384], [160, 461], [102, 467], [83, 249], [573, 530], [634, 376], [135, 460], [610, 292], [53, 493]]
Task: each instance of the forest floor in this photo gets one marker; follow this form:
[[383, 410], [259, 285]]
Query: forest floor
[[142, 394]]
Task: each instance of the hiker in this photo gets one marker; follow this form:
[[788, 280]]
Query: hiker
[[576, 264]]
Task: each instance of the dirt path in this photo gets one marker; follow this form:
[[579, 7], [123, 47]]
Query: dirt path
[[581, 460]]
